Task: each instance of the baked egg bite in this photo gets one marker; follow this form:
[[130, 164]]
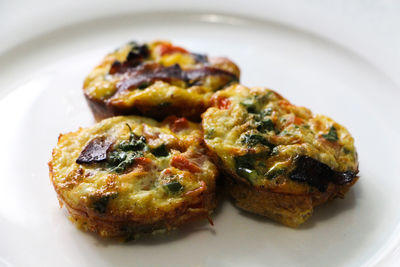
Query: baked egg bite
[[126, 176], [156, 79], [279, 160]]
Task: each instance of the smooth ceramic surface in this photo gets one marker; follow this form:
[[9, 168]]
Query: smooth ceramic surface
[[304, 68]]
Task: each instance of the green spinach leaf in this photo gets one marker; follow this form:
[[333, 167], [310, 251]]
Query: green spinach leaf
[[331, 135]]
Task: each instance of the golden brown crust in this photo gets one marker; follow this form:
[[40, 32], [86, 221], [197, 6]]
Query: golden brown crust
[[114, 227], [288, 209], [137, 200], [156, 80], [278, 160], [103, 109]]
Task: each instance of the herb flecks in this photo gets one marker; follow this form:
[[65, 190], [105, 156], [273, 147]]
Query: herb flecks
[[100, 204], [209, 133], [251, 140], [266, 112], [331, 135], [253, 104], [134, 144], [245, 167], [160, 151], [265, 125], [173, 187], [347, 150], [275, 151], [126, 152], [143, 85], [119, 161], [275, 172], [250, 104]]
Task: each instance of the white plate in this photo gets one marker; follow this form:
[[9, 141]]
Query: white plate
[[49, 70]]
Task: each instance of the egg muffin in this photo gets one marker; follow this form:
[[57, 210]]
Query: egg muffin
[[279, 160], [126, 176], [156, 79]]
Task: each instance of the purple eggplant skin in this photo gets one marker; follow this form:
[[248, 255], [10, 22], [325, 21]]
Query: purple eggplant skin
[[95, 151], [318, 174], [146, 74], [136, 57]]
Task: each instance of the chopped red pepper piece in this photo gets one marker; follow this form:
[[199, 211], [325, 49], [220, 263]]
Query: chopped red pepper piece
[[143, 161], [224, 103], [183, 163], [221, 102], [168, 48], [298, 121], [177, 124]]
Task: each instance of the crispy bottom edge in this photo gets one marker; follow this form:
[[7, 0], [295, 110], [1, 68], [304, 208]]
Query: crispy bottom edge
[[128, 227], [288, 209], [101, 109], [108, 226]]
